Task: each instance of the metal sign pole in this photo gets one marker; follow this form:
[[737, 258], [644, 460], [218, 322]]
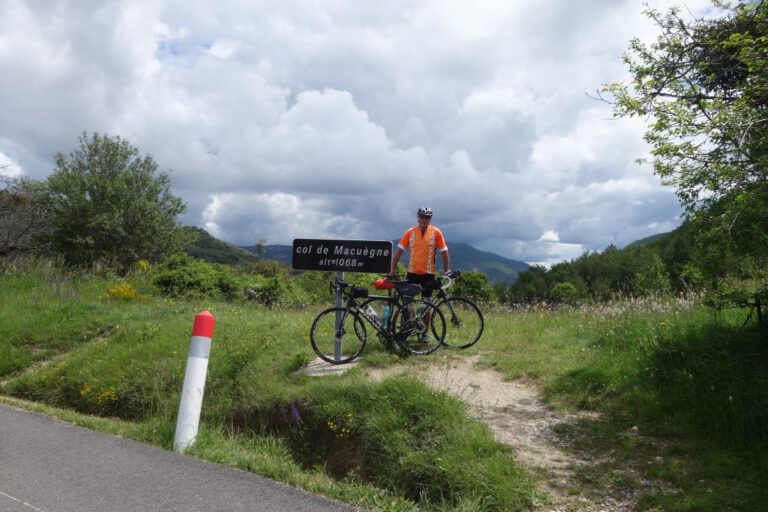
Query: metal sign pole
[[339, 314]]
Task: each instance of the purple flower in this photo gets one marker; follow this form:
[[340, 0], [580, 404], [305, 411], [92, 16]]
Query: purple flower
[[295, 413]]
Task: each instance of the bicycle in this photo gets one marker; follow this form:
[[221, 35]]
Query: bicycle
[[464, 318], [415, 325]]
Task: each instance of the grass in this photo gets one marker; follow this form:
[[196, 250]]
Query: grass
[[682, 393], [689, 380], [394, 445]]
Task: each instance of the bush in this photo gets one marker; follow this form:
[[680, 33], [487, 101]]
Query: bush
[[182, 275], [121, 291], [474, 285], [110, 203], [265, 290], [564, 292]]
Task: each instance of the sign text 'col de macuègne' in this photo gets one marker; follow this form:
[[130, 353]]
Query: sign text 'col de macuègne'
[[374, 256]]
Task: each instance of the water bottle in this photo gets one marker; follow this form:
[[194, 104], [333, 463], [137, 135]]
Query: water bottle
[[420, 310], [372, 313], [385, 316]]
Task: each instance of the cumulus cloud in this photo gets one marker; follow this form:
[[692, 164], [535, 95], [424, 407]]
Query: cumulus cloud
[[338, 119]]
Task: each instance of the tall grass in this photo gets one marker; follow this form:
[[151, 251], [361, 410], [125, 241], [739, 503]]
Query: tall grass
[[693, 380], [394, 445]]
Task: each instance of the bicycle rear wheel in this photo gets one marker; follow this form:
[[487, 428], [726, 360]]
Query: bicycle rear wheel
[[337, 345], [464, 322], [419, 327]]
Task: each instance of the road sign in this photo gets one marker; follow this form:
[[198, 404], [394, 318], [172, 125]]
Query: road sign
[[373, 256]]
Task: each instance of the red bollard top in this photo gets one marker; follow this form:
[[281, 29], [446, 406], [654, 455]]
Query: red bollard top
[[204, 322]]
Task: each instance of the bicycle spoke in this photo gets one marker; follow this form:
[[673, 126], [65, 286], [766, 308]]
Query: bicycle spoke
[[464, 322], [334, 343], [419, 327]]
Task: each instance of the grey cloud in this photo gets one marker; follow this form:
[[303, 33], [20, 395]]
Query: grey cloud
[[339, 119]]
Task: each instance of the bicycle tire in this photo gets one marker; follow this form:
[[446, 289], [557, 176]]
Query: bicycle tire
[[464, 322], [323, 334], [413, 334]]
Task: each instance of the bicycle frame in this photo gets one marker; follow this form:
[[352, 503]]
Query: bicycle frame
[[353, 305], [396, 301]]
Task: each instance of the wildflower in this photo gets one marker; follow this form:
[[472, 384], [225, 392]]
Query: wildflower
[[295, 414]]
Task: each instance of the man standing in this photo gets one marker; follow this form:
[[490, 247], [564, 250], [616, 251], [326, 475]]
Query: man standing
[[422, 241]]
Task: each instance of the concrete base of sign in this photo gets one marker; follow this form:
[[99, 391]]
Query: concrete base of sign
[[320, 368]]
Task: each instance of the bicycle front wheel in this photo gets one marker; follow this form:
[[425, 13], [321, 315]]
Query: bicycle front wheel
[[464, 322], [419, 327], [332, 339]]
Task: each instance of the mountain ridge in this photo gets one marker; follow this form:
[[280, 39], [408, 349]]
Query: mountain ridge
[[463, 257]]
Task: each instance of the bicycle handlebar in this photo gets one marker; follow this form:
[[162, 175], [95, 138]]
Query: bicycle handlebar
[[449, 278]]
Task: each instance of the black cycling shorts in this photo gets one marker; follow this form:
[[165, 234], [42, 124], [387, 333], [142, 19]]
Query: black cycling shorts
[[427, 281]]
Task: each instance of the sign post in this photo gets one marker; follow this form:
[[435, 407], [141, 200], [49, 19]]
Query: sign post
[[339, 316], [371, 256]]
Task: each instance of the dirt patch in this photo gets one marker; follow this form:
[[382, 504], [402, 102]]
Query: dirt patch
[[516, 415]]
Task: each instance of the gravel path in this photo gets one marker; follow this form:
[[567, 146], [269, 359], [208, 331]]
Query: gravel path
[[516, 415]]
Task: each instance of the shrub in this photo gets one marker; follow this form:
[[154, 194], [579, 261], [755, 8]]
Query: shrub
[[182, 275], [564, 292], [474, 285], [265, 290], [121, 291]]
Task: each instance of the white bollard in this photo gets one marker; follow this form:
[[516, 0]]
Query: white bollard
[[194, 381]]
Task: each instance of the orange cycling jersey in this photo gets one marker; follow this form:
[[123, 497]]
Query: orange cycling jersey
[[422, 248]]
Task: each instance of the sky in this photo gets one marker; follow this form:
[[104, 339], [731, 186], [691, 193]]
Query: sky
[[338, 119]]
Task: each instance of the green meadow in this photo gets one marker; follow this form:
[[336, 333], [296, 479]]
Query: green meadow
[[109, 353]]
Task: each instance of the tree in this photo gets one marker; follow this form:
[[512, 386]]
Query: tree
[[109, 203], [24, 217], [654, 279], [261, 247], [564, 292], [704, 83], [474, 285]]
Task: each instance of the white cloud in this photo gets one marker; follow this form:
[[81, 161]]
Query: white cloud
[[549, 236], [339, 119], [8, 167]]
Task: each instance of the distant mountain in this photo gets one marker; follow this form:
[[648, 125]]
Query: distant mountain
[[497, 268], [463, 257], [650, 239], [201, 244]]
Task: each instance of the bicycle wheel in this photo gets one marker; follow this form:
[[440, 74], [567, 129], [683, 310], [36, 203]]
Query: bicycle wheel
[[337, 346], [419, 327], [464, 322]]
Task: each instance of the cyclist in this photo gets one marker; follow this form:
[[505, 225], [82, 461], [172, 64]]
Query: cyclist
[[422, 241]]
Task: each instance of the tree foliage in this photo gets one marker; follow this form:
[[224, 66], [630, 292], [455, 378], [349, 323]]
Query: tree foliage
[[704, 84], [24, 217], [110, 203], [474, 285]]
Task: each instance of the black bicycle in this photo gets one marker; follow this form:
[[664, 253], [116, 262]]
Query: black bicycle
[[339, 334], [464, 318]]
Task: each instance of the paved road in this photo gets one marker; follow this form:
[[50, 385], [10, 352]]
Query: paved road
[[51, 466]]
